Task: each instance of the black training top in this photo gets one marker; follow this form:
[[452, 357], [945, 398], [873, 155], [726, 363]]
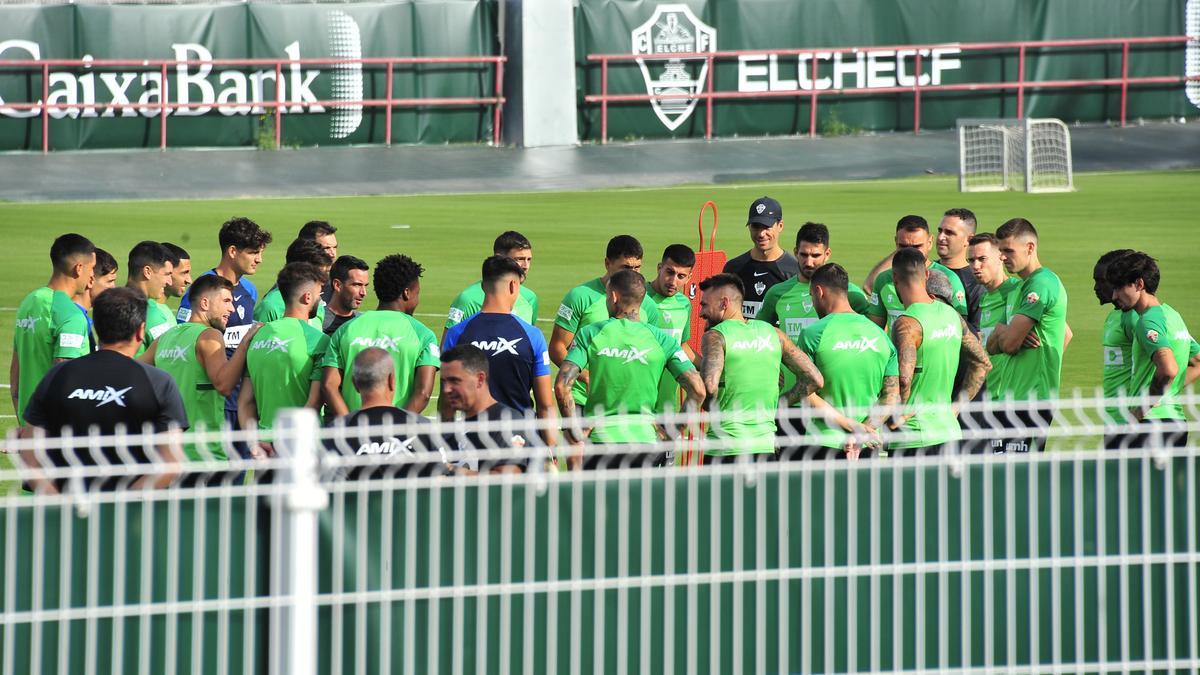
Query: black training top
[[759, 276], [975, 292]]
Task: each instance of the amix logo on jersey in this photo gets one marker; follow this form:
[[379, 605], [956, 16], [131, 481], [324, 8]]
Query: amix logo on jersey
[[28, 323], [860, 345], [498, 346], [389, 343], [630, 354], [390, 447], [272, 345], [104, 396], [179, 353], [758, 344], [943, 333]]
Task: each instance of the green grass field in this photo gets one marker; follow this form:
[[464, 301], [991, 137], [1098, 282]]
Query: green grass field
[[451, 234]]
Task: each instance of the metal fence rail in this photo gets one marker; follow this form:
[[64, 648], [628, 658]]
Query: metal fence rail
[[1077, 560]]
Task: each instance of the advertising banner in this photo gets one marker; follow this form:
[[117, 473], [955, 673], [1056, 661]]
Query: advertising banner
[[653, 27], [229, 97]]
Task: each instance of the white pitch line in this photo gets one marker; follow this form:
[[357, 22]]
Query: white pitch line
[[402, 227], [442, 316]]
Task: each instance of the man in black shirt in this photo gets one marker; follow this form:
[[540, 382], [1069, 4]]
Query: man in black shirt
[[108, 392], [494, 427], [953, 237], [348, 279], [766, 263]]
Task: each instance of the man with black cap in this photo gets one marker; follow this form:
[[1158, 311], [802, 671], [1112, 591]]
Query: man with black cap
[[766, 263]]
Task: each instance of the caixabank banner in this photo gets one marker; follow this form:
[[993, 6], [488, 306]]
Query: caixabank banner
[[229, 97], [878, 29]]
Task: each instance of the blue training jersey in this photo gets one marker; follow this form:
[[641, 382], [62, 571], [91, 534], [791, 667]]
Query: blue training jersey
[[516, 353], [244, 297]]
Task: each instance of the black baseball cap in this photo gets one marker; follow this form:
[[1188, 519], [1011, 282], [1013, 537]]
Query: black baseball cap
[[765, 211]]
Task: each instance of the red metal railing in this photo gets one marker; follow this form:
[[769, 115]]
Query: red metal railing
[[709, 95], [164, 105]]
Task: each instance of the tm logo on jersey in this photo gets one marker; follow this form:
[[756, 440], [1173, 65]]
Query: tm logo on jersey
[[499, 346], [758, 344], [391, 344], [180, 353], [28, 323], [860, 345], [104, 396], [272, 345], [630, 354]]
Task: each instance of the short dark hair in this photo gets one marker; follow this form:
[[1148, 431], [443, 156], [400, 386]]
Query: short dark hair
[[242, 233], [680, 254], [294, 276], [395, 274], [105, 262], [510, 240], [1100, 270], [117, 313], [911, 223], [205, 284], [631, 285], [342, 266], [177, 253], [724, 280], [1134, 266], [984, 238], [307, 251], [623, 246], [315, 228], [967, 216], [496, 267], [67, 247], [908, 264], [832, 276], [1017, 227], [813, 233], [146, 253], [471, 357]]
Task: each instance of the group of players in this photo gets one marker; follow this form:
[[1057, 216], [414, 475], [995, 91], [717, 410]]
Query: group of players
[[796, 360]]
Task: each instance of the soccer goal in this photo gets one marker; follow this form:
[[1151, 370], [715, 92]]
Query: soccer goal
[[1008, 154]]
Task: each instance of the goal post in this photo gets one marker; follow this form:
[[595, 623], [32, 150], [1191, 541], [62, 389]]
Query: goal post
[[1008, 154]]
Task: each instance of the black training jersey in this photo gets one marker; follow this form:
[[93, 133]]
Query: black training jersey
[[408, 442], [975, 292], [759, 276], [107, 391]]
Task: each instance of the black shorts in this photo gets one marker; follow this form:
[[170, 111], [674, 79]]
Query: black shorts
[[789, 433], [753, 458], [622, 460], [925, 451], [1159, 434], [1021, 430], [817, 453]]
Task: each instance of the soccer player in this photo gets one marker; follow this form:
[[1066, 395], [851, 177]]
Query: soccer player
[[107, 392], [1117, 344], [740, 365], [466, 387], [193, 353], [1162, 352], [930, 339], [626, 357], [413, 347], [281, 363], [242, 244], [272, 306], [150, 272], [912, 232], [587, 304], [988, 269], [325, 235], [49, 327], [104, 277], [517, 355], [181, 271], [513, 245], [1035, 332], [953, 239], [668, 292], [766, 263], [349, 278], [381, 429], [858, 364]]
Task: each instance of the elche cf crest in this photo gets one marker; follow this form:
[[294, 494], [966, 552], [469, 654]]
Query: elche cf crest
[[674, 29]]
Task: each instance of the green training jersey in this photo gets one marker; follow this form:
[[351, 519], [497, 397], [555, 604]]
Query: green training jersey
[[854, 355], [626, 360], [931, 395], [993, 310], [49, 326], [176, 354], [1161, 327], [159, 319], [885, 302], [675, 319], [1033, 374], [748, 393], [470, 301], [272, 308], [282, 365], [789, 306], [585, 305], [1117, 347], [410, 343]]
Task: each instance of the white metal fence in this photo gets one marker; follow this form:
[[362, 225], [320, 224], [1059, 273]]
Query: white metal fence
[[1065, 561]]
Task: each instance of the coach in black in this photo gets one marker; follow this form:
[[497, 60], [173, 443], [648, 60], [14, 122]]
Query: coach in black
[[108, 391], [766, 263]]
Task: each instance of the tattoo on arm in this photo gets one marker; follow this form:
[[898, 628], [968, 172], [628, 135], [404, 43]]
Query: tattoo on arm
[[567, 375], [978, 365], [712, 361], [906, 335], [808, 378], [889, 399]]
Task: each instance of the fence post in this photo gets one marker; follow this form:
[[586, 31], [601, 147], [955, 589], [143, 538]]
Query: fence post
[[297, 440]]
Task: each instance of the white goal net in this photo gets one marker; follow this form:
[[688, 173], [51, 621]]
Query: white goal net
[[1008, 154]]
